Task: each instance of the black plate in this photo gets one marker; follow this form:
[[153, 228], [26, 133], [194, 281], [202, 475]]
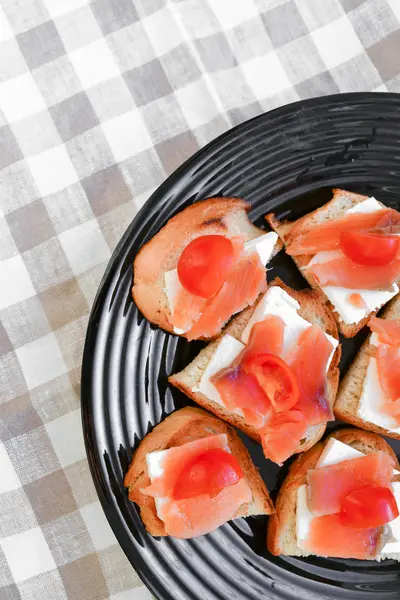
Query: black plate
[[285, 161]]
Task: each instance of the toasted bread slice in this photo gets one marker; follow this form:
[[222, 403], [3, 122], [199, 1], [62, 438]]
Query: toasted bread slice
[[281, 536], [186, 425], [341, 202], [223, 216], [311, 309], [351, 386]]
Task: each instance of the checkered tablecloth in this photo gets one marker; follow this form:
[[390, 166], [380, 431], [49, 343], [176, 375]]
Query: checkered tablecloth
[[99, 102]]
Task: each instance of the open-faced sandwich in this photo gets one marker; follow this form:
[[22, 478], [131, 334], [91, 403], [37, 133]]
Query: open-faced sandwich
[[349, 251], [369, 393], [273, 372], [192, 474], [205, 265], [340, 499]]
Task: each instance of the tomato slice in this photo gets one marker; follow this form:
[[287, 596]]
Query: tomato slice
[[208, 473], [204, 264], [276, 379], [369, 507], [370, 249]]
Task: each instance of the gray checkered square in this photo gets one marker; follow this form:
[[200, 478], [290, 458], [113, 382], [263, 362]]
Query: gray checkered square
[[25, 321], [47, 585], [174, 151], [12, 381], [68, 208], [386, 56], [17, 187], [37, 53], [115, 15], [363, 74], [74, 116], [249, 39], [350, 5], [106, 189], [26, 15], [16, 513], [296, 70], [51, 497], [110, 98], [10, 592], [215, 52], [47, 265], [131, 47], [157, 84], [6, 578], [374, 22], [36, 133], [7, 246], [78, 28], [12, 63], [5, 343], [86, 574], [241, 114], [143, 171], [57, 80], [180, 66], [32, 455], [394, 84], [18, 417], [162, 116], [55, 398], [30, 225], [68, 538], [284, 23], [10, 152], [317, 86], [90, 152]]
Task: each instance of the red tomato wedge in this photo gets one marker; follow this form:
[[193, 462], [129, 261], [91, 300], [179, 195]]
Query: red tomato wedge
[[388, 331], [281, 435], [326, 236], [175, 462], [308, 363], [207, 473], [239, 389], [370, 249], [276, 379], [245, 281], [199, 515], [329, 486], [369, 507], [266, 337], [342, 272], [204, 264], [329, 537]]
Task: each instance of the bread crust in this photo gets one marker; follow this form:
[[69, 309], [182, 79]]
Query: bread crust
[[312, 309], [182, 426], [282, 524], [341, 202], [351, 385], [223, 216]]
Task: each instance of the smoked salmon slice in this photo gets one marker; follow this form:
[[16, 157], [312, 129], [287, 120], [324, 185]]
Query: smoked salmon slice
[[188, 310], [266, 337], [342, 272], [388, 331], [388, 363], [175, 461], [245, 282], [328, 486], [241, 390], [282, 434], [326, 236], [329, 537], [308, 362], [199, 515]]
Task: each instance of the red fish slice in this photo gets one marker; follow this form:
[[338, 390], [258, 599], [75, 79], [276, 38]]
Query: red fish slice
[[282, 434], [341, 272], [326, 236], [308, 361], [328, 486], [329, 537], [388, 331]]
